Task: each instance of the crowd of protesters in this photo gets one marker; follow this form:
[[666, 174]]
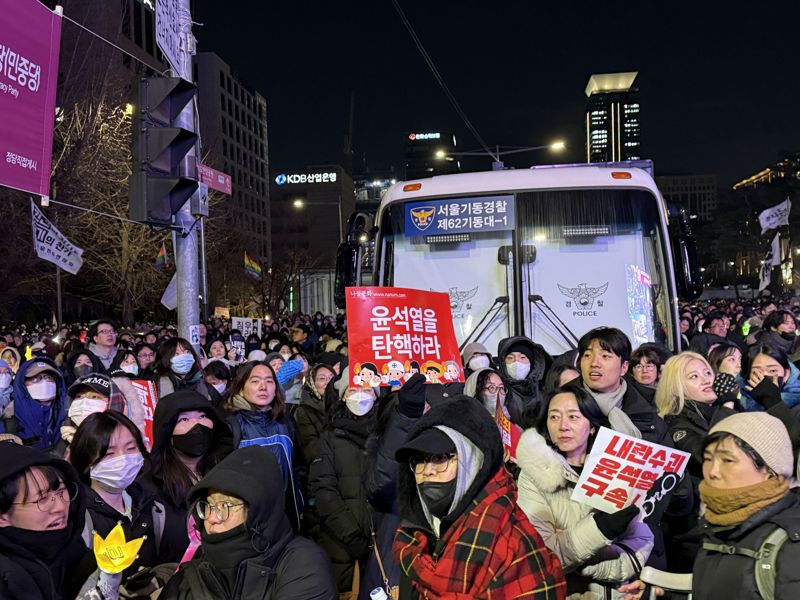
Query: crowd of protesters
[[264, 473]]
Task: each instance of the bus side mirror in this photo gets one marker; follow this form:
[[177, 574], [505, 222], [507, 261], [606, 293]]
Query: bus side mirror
[[347, 258], [684, 251]]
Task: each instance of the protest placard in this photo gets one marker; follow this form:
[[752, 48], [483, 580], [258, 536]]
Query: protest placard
[[509, 432], [247, 325], [620, 470], [396, 332], [148, 396]]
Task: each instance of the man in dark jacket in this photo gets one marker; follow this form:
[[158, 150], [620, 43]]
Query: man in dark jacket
[[523, 364], [249, 548]]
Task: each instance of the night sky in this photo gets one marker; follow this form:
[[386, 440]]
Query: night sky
[[720, 88]]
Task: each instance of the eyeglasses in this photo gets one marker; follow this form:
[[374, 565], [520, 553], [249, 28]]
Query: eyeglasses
[[64, 494], [439, 462], [106, 332], [493, 389], [146, 355], [644, 367], [222, 510]]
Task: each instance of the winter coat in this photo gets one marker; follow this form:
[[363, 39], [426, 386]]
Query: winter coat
[[690, 427], [169, 382], [645, 417], [335, 483], [790, 391], [37, 424], [273, 562], [16, 354], [524, 397], [310, 420], [594, 564], [775, 340], [252, 427], [722, 576], [703, 341], [510, 560], [106, 359], [68, 368]]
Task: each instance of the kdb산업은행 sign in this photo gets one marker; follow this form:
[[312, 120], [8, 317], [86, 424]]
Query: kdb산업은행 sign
[[620, 470], [396, 332]]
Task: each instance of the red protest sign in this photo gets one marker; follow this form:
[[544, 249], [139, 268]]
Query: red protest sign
[[509, 432], [146, 390], [396, 332]]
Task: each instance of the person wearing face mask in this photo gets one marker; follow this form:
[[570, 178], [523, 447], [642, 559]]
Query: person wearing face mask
[[86, 396], [108, 453], [522, 365], [475, 356], [178, 368], [189, 438], [125, 364], [6, 379], [453, 489], [248, 547], [218, 376], [79, 364], [39, 405], [335, 479], [488, 386], [779, 331], [310, 415]]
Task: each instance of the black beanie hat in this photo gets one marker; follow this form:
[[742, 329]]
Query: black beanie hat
[[522, 348]]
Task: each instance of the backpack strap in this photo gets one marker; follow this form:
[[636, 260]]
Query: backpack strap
[[87, 536]]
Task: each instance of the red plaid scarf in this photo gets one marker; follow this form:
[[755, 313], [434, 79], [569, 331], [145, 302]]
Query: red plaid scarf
[[491, 551]]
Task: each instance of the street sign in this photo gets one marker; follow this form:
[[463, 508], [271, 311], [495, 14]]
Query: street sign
[[216, 180], [169, 37]]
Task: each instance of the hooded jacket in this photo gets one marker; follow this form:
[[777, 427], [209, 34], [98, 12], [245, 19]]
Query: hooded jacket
[[511, 558], [546, 483], [524, 396], [16, 354], [68, 368], [310, 420], [268, 560], [37, 565], [37, 424]]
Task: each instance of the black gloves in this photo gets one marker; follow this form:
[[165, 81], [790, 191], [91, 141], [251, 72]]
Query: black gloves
[[411, 397], [766, 393], [615, 524]]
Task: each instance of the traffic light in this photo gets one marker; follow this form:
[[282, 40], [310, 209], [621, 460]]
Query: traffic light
[[157, 188]]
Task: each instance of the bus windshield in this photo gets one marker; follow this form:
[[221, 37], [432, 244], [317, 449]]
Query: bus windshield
[[595, 257]]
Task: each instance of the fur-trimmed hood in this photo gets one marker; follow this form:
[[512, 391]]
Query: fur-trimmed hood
[[547, 468]]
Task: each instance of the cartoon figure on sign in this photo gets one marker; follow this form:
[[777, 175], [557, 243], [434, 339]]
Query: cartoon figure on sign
[[451, 371], [422, 217], [393, 372], [412, 367], [366, 375], [432, 370]]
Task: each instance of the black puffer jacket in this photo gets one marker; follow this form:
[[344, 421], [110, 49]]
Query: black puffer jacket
[[335, 483], [689, 428], [525, 396], [310, 420], [722, 576], [268, 561]]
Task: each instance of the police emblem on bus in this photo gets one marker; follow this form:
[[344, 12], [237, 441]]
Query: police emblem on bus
[[583, 295], [422, 217]]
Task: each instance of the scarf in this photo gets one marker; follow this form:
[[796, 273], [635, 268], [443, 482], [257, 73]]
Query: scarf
[[489, 551], [734, 506], [608, 401]]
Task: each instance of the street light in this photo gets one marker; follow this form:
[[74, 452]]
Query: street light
[[497, 164], [299, 204]]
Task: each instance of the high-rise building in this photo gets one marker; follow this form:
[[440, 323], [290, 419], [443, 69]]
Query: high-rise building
[[613, 121], [696, 193], [428, 153], [786, 169], [233, 127]]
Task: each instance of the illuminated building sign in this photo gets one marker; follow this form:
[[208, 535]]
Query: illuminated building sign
[[284, 178], [414, 137]]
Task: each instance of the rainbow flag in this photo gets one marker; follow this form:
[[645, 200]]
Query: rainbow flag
[[251, 267], [162, 260]]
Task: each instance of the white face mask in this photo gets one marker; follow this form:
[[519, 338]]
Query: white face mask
[[5, 381], [42, 390], [272, 344], [360, 403], [479, 361], [116, 474], [286, 356], [220, 387], [518, 371], [83, 407], [132, 368]]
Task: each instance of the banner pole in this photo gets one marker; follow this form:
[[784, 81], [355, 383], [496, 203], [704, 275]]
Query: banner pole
[[58, 295]]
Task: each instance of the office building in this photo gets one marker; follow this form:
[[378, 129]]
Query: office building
[[786, 170], [613, 120], [370, 186], [429, 153], [233, 127], [309, 212], [696, 193]]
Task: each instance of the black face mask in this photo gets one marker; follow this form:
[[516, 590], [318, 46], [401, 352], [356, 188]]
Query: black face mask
[[438, 496], [788, 336], [196, 442], [82, 370]]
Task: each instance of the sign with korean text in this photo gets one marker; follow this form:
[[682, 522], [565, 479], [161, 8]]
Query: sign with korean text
[[169, 36], [222, 312], [396, 332], [146, 391], [509, 432], [52, 245], [216, 180], [621, 470], [459, 215], [247, 325], [30, 38]]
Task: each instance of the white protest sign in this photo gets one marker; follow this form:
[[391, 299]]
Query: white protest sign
[[621, 469], [247, 326], [50, 244]]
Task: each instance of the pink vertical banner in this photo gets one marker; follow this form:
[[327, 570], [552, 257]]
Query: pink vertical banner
[[30, 38]]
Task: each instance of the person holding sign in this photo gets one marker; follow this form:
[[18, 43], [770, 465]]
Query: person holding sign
[[597, 550], [461, 533]]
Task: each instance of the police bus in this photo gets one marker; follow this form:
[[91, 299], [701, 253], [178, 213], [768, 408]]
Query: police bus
[[547, 252]]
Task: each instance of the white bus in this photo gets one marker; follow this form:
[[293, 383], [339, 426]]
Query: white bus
[[547, 252]]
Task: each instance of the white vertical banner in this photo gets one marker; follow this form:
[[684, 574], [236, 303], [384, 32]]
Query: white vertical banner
[[170, 296], [51, 245]]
